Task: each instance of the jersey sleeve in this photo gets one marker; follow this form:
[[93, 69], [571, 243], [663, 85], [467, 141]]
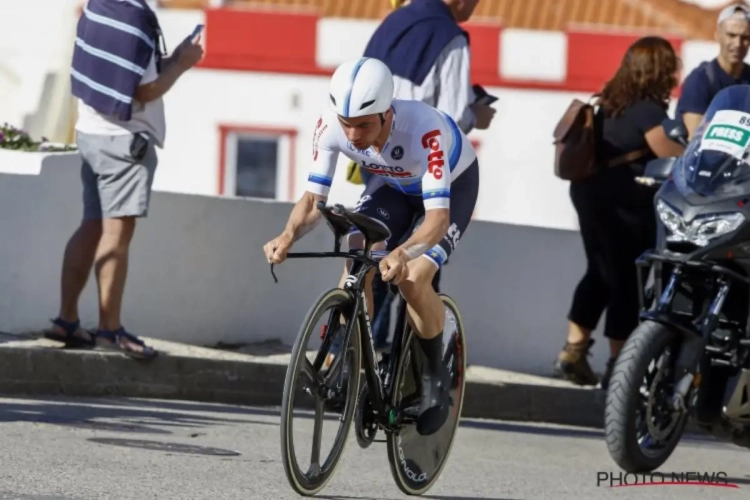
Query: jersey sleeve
[[325, 155], [432, 151]]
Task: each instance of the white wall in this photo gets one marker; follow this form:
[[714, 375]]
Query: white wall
[[197, 273]]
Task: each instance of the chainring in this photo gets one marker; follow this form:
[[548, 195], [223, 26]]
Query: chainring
[[365, 427]]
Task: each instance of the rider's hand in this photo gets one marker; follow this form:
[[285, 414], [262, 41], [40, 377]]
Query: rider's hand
[[277, 248], [394, 267]]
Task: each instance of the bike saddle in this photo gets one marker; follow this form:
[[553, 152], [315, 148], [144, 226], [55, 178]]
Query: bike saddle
[[372, 229]]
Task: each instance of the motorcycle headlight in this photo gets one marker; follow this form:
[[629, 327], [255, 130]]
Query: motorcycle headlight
[[700, 230]]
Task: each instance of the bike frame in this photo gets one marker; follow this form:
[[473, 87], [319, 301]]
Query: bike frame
[[362, 263]]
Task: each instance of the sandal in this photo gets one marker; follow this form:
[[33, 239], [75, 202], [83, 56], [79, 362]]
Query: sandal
[[70, 339], [120, 340]]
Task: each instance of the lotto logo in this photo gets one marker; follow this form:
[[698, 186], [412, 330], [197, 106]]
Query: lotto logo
[[435, 158]]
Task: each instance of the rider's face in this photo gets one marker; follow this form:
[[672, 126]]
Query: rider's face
[[361, 131]]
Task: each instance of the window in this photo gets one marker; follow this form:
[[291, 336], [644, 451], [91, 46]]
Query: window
[[257, 163]]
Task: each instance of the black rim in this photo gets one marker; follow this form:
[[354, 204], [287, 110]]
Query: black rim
[[321, 392]]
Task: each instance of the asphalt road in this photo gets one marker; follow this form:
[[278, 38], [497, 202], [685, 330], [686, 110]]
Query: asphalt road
[[136, 449]]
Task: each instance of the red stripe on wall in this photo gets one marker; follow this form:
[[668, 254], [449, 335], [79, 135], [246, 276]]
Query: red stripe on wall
[[260, 41], [484, 45], [281, 42]]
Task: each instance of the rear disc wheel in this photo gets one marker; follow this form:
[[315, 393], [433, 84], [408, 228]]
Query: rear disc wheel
[[417, 461]]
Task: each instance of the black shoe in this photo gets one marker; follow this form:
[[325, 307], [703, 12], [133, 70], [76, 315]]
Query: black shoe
[[434, 403]]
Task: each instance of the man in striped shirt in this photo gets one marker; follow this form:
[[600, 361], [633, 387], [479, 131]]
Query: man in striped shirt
[[119, 75]]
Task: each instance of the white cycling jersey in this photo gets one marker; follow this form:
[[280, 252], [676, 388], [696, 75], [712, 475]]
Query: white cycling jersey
[[424, 153]]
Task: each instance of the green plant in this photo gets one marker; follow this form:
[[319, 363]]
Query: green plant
[[19, 140]]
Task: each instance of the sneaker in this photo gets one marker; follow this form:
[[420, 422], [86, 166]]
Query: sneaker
[[573, 366], [433, 405]]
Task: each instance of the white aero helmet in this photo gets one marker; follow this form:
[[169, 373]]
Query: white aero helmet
[[361, 87]]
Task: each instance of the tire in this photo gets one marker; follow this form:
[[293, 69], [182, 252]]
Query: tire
[[646, 344], [303, 485], [399, 468]]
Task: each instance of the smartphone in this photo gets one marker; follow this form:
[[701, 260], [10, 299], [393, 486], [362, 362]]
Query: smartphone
[[197, 31], [486, 99], [482, 96]]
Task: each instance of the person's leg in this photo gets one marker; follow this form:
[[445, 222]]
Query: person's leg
[[631, 234], [425, 310], [381, 311], [436, 280], [387, 206], [78, 258], [125, 173], [589, 298]]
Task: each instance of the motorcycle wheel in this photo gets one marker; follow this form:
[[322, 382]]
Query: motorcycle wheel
[[643, 431]]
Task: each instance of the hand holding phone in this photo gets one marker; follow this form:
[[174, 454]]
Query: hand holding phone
[[482, 97], [190, 50], [486, 99], [197, 31]]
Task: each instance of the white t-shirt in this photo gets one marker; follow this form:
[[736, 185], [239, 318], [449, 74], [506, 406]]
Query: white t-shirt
[[425, 152], [147, 117]]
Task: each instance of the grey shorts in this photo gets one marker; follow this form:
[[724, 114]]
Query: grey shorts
[[117, 174]]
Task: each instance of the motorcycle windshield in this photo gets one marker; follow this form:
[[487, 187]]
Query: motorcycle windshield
[[716, 162]]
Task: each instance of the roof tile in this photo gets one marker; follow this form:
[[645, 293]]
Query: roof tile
[[675, 17]]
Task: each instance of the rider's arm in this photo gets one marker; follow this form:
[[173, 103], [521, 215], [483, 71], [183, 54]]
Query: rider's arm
[[436, 193], [305, 215]]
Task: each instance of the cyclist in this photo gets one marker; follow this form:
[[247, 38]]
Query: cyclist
[[423, 164]]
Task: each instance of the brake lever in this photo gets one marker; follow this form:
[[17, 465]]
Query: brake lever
[[275, 279]]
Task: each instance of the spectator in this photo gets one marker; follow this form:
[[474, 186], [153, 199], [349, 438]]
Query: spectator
[[428, 54], [705, 81], [615, 214], [119, 76]]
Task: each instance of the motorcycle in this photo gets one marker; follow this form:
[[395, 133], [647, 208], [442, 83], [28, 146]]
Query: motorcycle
[[689, 357]]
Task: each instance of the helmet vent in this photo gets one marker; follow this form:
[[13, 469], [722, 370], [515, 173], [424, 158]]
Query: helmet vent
[[367, 104]]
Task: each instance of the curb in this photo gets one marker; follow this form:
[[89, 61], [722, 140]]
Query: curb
[[54, 372]]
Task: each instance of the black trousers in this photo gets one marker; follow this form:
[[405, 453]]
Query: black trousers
[[617, 222]]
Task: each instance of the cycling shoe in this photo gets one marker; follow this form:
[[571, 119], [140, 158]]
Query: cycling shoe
[[434, 402]]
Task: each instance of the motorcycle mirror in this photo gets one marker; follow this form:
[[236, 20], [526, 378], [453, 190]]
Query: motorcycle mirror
[[675, 130], [659, 169]]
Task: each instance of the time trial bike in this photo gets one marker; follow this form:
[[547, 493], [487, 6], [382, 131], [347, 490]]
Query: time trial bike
[[390, 396]]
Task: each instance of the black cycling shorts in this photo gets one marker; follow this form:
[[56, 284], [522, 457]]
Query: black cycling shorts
[[399, 211]]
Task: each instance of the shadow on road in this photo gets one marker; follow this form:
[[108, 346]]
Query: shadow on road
[[110, 415], [131, 415]]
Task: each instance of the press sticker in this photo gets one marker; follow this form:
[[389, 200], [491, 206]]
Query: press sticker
[[728, 132]]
